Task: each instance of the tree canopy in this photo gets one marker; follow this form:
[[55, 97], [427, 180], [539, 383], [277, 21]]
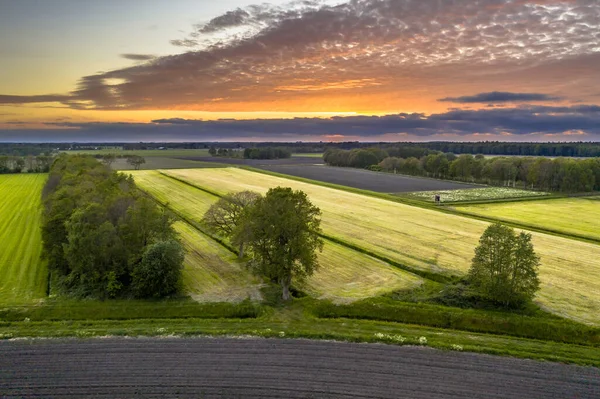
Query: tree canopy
[[504, 269], [283, 236]]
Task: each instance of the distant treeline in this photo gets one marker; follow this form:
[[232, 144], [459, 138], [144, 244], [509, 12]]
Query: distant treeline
[[516, 149], [102, 237], [560, 174], [30, 164], [24, 149], [566, 149], [267, 153]]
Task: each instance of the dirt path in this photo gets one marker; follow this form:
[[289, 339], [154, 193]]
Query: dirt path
[[269, 368]]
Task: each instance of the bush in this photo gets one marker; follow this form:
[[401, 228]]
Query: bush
[[159, 272]]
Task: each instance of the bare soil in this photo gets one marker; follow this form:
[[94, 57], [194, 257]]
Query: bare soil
[[274, 368], [313, 168]]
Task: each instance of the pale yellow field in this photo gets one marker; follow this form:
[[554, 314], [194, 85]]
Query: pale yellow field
[[579, 216], [427, 239], [345, 274], [211, 273]]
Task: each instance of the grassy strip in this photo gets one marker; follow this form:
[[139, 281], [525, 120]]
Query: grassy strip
[[425, 205], [313, 328], [502, 323], [422, 273], [129, 310], [440, 278]]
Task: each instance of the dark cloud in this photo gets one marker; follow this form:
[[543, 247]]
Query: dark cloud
[[46, 98], [496, 123], [501, 97], [138, 57], [290, 58]]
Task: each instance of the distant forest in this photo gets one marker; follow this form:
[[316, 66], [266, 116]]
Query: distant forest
[[578, 149]]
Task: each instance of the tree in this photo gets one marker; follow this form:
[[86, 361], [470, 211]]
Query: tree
[[212, 150], [228, 215], [283, 235], [504, 269], [136, 161], [108, 159], [159, 272]]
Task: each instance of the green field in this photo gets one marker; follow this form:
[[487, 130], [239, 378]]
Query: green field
[[475, 194], [308, 155], [23, 275], [578, 216], [212, 273], [345, 274], [164, 163], [427, 239]]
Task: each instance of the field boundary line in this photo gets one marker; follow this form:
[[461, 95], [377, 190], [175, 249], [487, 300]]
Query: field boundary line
[[193, 224], [421, 204], [421, 273]]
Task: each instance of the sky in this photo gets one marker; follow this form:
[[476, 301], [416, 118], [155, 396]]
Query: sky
[[238, 70]]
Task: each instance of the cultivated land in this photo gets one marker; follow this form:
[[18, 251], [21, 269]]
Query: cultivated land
[[476, 194], [260, 368], [346, 274], [576, 216], [428, 240], [211, 273], [23, 275], [162, 163], [366, 179]]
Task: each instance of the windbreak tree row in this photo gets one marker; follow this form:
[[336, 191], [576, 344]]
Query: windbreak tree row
[[102, 238], [560, 174]]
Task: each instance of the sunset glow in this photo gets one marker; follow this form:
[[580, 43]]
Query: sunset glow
[[520, 70]]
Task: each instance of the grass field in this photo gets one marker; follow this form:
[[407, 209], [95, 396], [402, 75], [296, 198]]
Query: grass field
[[308, 155], [579, 216], [23, 275], [212, 273], [164, 163], [429, 240], [145, 153], [345, 275], [475, 194]]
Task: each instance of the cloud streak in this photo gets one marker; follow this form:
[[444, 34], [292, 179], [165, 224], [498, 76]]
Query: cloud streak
[[500, 97]]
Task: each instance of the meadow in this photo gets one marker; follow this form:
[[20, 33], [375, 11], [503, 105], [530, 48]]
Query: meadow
[[576, 216], [23, 275], [428, 240], [345, 274], [144, 153]]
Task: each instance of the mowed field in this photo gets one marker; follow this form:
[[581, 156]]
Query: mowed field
[[23, 275], [212, 273], [578, 216], [427, 239], [346, 274]]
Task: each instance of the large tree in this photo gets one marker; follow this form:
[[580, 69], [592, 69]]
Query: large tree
[[283, 235], [504, 269], [228, 215]]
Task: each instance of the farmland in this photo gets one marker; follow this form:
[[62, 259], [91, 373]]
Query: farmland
[[429, 240], [476, 194], [577, 216], [23, 276], [211, 273], [366, 179], [144, 153], [345, 275]]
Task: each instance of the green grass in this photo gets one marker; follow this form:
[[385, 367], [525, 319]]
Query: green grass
[[474, 194], [345, 275], [308, 155], [429, 240], [212, 273], [296, 321], [146, 153], [23, 275], [70, 310], [575, 216]]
